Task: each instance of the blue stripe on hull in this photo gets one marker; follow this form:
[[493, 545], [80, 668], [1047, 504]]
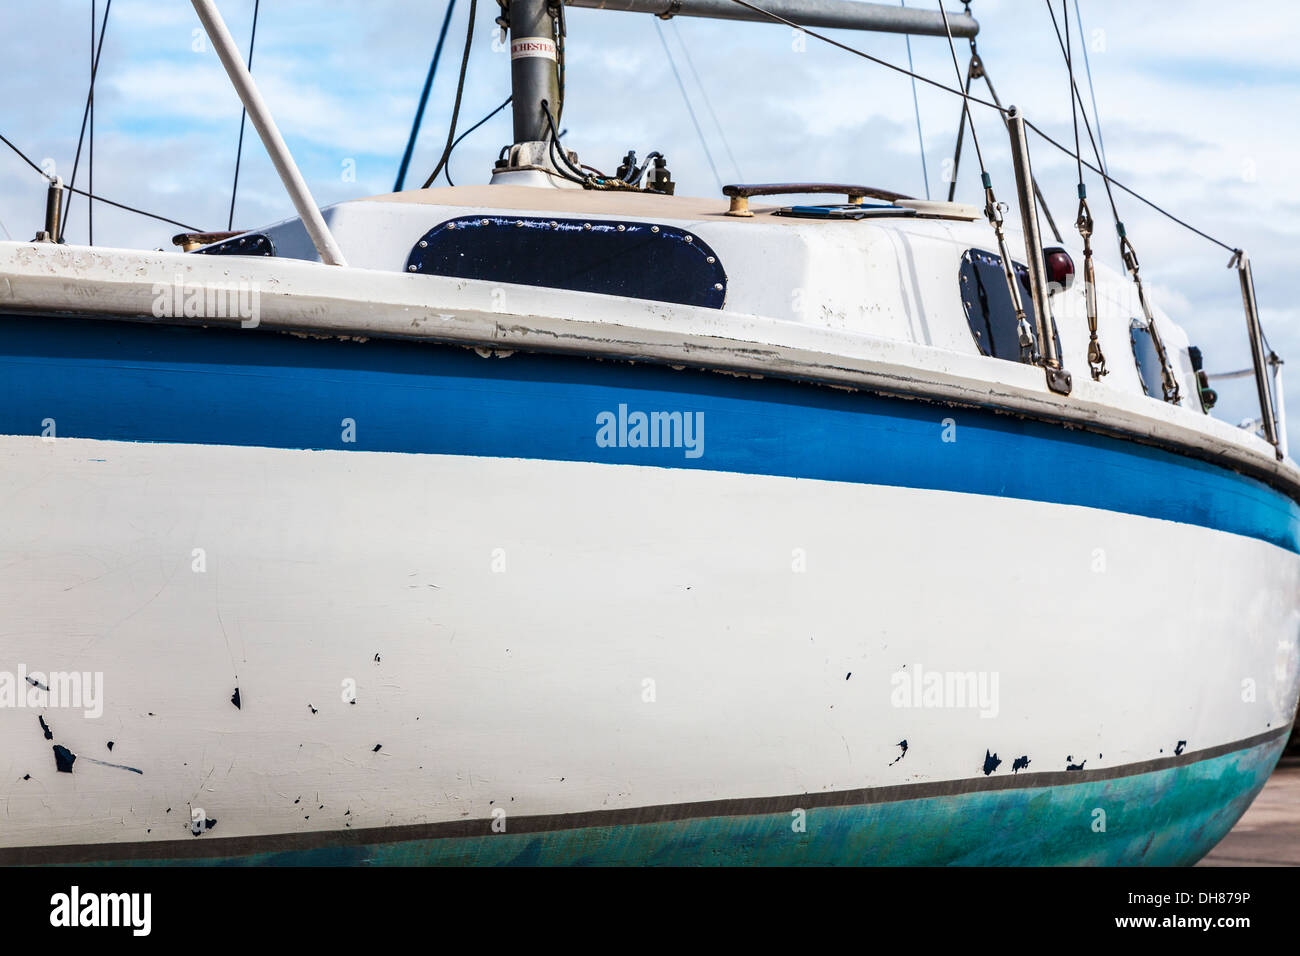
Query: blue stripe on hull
[[135, 382], [1167, 817]]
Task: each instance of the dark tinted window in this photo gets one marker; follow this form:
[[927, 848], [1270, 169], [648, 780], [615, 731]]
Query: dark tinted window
[[640, 260], [987, 300], [1147, 359]]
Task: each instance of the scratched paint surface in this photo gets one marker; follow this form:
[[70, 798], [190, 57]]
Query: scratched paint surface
[[1165, 818]]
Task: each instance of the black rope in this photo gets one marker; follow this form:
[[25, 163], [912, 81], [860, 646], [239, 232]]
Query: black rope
[[424, 99], [243, 117], [460, 90], [81, 192], [85, 116], [447, 169], [574, 173]]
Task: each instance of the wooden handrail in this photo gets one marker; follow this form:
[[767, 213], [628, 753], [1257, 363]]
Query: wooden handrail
[[740, 193]]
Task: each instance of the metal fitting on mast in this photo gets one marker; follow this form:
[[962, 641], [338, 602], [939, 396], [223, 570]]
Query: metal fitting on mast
[[53, 212], [534, 67]]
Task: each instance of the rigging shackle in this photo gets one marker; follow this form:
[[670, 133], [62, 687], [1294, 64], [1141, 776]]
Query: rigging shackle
[[1096, 359], [993, 212], [1168, 381]]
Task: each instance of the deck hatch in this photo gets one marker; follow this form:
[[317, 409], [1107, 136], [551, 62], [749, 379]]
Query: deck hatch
[[639, 260]]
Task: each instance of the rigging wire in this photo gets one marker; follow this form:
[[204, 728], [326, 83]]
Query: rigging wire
[[967, 98], [1100, 169], [447, 169], [1029, 346], [690, 62], [460, 91], [952, 48], [1092, 93], [243, 117], [90, 160], [424, 99], [686, 99], [1074, 104], [777, 18], [85, 116], [81, 192], [1084, 223], [1106, 180], [1136, 195], [559, 30], [1128, 255], [916, 103]]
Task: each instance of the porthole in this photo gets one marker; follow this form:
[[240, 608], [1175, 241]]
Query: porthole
[[989, 310]]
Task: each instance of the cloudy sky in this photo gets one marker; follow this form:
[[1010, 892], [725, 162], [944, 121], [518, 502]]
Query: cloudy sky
[[1198, 104]]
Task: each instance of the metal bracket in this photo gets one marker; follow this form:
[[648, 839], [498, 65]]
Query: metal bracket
[[1268, 413], [1059, 381]]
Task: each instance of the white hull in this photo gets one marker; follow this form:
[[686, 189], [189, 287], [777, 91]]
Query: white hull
[[517, 608]]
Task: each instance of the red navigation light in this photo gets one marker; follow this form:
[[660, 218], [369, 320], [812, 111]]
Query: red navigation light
[[1060, 268]]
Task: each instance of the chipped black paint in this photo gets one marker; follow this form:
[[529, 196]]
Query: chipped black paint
[[376, 750], [63, 758], [234, 699], [115, 766], [35, 683], [110, 745], [49, 734], [901, 744], [1071, 765], [991, 762], [1179, 749], [1019, 764], [312, 709]]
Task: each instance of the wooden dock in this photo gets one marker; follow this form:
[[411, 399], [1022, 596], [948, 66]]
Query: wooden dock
[[1269, 833]]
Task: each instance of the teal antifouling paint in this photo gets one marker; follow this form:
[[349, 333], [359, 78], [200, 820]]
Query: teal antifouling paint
[[1165, 817]]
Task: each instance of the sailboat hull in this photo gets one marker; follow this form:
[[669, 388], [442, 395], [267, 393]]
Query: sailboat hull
[[470, 618]]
